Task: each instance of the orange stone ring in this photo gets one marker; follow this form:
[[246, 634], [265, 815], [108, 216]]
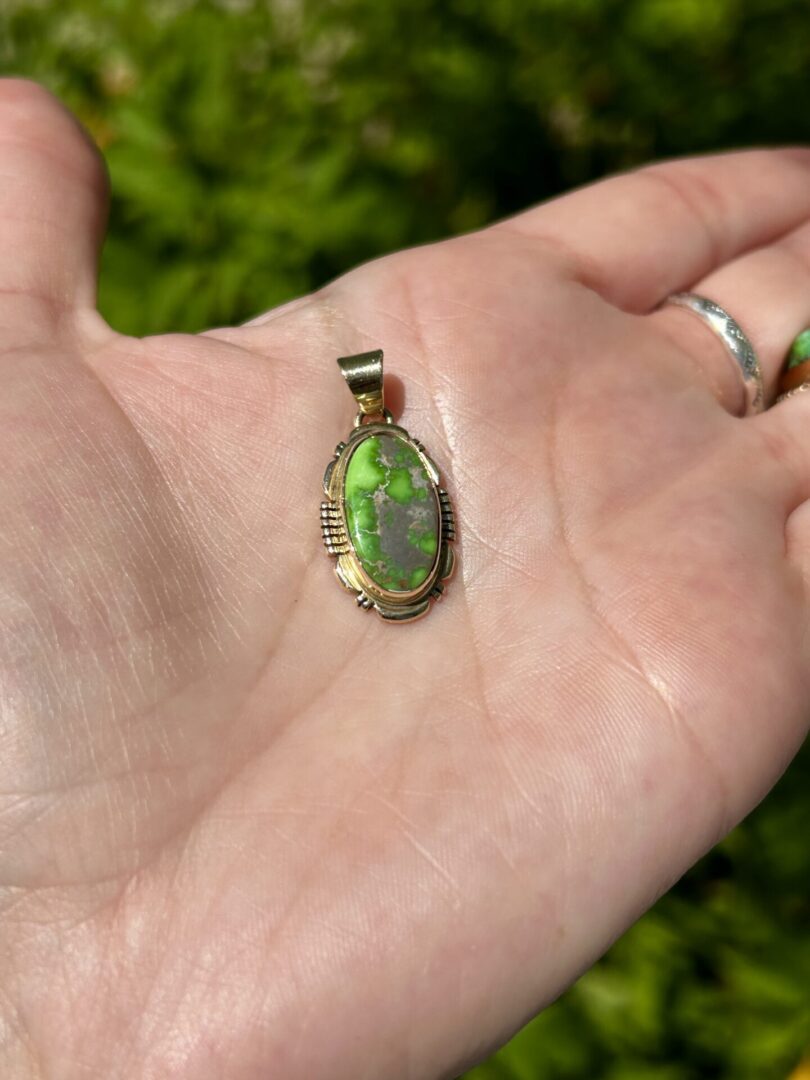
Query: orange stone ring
[[796, 376]]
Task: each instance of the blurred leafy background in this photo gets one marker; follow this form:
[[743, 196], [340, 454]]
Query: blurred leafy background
[[259, 147]]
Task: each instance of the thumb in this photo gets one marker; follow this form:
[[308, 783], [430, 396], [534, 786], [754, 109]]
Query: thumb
[[53, 205]]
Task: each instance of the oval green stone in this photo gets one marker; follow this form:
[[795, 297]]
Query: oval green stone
[[392, 512]]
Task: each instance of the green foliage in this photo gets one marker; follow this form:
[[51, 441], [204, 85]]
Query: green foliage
[[259, 147]]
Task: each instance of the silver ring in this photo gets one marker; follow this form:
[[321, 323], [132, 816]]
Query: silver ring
[[735, 340]]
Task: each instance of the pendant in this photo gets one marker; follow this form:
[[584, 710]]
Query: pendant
[[386, 519]]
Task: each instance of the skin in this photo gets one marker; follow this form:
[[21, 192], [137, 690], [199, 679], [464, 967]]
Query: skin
[[248, 830]]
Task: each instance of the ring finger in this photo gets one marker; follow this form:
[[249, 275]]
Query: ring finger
[[767, 291]]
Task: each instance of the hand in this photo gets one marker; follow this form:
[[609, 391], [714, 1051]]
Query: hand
[[249, 830]]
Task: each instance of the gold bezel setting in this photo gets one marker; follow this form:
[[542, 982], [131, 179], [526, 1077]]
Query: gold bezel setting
[[390, 605]]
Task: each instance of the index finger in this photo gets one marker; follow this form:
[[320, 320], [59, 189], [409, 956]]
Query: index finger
[[639, 236]]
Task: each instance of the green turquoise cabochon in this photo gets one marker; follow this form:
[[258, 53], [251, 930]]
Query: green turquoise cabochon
[[392, 512]]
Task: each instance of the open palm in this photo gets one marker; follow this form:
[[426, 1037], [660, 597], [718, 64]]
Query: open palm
[[250, 830]]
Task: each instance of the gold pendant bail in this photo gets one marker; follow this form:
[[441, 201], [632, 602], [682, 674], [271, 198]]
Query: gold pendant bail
[[364, 374]]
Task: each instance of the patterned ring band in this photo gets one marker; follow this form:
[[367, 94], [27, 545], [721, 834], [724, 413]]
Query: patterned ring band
[[735, 340]]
